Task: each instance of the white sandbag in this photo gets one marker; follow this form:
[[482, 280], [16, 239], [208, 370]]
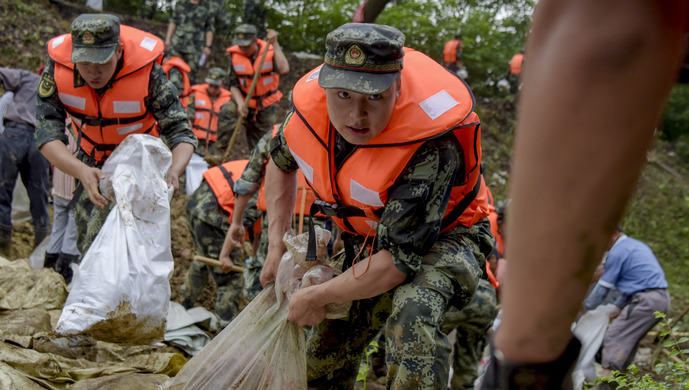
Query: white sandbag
[[194, 173], [122, 290], [590, 330]]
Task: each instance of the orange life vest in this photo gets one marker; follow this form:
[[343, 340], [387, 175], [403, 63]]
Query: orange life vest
[[266, 92], [450, 50], [516, 64], [184, 69], [206, 112], [432, 102], [221, 180], [106, 120]]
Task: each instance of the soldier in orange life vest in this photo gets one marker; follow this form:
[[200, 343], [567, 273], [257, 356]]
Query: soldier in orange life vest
[[514, 74], [178, 73], [209, 211], [206, 105], [389, 143], [452, 53], [108, 79], [260, 113]]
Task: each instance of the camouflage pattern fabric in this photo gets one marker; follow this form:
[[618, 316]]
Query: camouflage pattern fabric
[[417, 351], [472, 324], [255, 15], [89, 220], [177, 79], [208, 223], [255, 125], [189, 38], [255, 170]]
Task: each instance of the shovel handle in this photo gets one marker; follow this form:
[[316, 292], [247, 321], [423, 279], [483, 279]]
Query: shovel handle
[[216, 263]]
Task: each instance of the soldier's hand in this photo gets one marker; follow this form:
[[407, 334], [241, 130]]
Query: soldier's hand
[[271, 36], [89, 178], [172, 180], [226, 263], [270, 267], [304, 309], [236, 235], [243, 110]]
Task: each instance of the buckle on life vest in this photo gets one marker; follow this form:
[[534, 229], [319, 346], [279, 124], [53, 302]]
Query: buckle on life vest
[[337, 210]]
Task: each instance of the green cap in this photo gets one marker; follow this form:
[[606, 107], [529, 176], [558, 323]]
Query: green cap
[[244, 35], [362, 57], [215, 76], [95, 38]]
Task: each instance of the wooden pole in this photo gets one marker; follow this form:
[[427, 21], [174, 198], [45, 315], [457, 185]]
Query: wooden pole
[[302, 208], [216, 263], [249, 95]]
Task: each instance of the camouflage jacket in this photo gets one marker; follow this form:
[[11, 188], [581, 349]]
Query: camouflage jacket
[[193, 21], [255, 170], [412, 216], [162, 101]]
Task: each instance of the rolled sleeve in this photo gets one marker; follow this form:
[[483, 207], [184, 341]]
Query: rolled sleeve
[[280, 153], [166, 107], [50, 115]]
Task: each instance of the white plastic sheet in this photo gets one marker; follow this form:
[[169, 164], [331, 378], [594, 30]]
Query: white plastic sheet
[[122, 290], [590, 330], [194, 172]]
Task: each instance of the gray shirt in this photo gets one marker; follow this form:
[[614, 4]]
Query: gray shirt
[[24, 84]]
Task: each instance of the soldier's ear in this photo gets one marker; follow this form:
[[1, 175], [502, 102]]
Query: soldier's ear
[[119, 50]]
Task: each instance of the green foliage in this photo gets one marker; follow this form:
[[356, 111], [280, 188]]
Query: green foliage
[[673, 374], [365, 367], [676, 118]]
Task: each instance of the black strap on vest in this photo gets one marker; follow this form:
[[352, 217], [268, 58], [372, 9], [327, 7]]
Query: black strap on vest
[[463, 204], [98, 121], [331, 210], [228, 176]]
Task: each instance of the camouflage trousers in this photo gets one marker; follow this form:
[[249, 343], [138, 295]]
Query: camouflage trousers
[[254, 265], [472, 324], [417, 351], [192, 59], [208, 240], [89, 220], [256, 124]]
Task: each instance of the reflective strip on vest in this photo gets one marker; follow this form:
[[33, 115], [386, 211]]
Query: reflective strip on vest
[[239, 68], [126, 107], [267, 65], [129, 129], [267, 80], [364, 195], [314, 75], [58, 41], [73, 101], [148, 43], [438, 104], [305, 168]]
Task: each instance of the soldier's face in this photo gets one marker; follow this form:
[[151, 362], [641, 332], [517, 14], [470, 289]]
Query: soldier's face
[[358, 117], [98, 75], [250, 49], [213, 90]]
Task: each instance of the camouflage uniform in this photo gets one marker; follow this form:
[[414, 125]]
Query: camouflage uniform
[[189, 38], [442, 270], [255, 125], [176, 79], [172, 125], [472, 324], [208, 224]]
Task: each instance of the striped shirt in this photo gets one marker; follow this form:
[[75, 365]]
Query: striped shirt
[[63, 184]]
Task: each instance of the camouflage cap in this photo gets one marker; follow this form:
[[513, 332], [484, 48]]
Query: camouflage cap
[[244, 35], [215, 76], [94, 38], [362, 57]]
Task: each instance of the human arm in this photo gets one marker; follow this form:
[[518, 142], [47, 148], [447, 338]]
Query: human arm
[[596, 296], [278, 56], [576, 136], [235, 234], [173, 124], [171, 27], [209, 42], [281, 195], [307, 306]]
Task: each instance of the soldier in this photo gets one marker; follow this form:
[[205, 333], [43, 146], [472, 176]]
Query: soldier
[[452, 53], [108, 96], [206, 105], [177, 72], [190, 33], [19, 156], [394, 155], [260, 113], [209, 211]]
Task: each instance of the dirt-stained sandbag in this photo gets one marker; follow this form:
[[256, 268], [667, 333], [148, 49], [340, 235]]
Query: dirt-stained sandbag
[[12, 379], [22, 287]]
